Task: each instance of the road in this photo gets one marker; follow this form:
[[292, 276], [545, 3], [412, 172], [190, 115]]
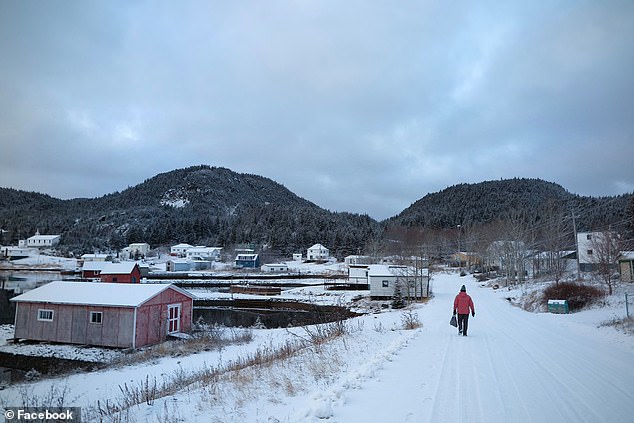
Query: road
[[514, 366]]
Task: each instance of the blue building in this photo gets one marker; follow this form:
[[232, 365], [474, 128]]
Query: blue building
[[249, 261]]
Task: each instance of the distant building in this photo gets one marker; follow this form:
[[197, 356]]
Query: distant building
[[626, 266], [204, 253], [383, 280], [179, 250], [126, 272], [96, 257], [297, 257], [92, 269], [249, 261], [355, 260], [274, 267], [43, 241], [318, 252], [136, 250]]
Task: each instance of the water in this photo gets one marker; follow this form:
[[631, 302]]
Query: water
[[21, 281]]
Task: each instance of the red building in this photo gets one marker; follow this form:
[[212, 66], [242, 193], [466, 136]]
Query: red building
[[103, 314], [126, 272]]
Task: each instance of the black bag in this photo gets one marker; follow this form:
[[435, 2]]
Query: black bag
[[453, 322]]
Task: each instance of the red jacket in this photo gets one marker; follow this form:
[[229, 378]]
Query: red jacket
[[462, 303]]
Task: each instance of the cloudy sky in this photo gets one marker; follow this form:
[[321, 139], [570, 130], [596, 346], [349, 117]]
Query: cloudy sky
[[359, 106]]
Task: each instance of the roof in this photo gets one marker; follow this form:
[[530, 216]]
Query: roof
[[96, 293], [246, 257], [626, 256], [123, 268], [182, 245], [318, 247], [94, 265], [44, 237]]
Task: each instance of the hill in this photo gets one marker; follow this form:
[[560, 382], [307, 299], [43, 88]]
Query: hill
[[198, 205], [485, 202], [205, 205]]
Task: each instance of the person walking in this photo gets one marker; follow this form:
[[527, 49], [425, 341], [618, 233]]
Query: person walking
[[462, 305]]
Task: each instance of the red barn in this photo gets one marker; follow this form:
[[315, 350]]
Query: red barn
[[103, 314], [92, 269], [126, 272]]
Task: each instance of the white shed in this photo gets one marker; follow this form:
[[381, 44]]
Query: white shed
[[274, 267]]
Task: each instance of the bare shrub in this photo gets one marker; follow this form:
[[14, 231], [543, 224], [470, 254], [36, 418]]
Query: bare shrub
[[625, 325], [410, 320], [578, 295]]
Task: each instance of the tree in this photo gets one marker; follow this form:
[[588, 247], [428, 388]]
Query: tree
[[606, 247], [397, 298]]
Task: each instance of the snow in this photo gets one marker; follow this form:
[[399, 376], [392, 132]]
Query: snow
[[94, 293], [515, 366]]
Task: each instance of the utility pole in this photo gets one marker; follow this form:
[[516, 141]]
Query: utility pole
[[574, 228]]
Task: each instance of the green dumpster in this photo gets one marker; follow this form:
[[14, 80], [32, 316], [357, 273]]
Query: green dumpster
[[558, 306]]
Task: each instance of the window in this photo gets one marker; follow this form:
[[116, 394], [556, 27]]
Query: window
[[173, 318], [589, 237], [589, 252], [386, 284], [45, 315], [96, 317]]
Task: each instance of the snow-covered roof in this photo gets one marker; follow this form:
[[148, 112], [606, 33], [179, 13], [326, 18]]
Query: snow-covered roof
[[94, 256], [182, 245], [95, 293], [37, 236], [627, 255], [123, 268], [318, 247], [94, 265]]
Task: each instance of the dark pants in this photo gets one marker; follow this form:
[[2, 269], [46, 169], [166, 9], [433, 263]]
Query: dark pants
[[463, 323]]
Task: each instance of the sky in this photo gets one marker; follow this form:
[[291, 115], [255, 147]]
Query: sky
[[357, 106]]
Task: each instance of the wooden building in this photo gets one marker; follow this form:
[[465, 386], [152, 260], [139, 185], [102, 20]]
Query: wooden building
[[103, 314], [125, 272]]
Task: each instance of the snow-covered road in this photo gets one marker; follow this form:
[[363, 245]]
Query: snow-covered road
[[514, 366]]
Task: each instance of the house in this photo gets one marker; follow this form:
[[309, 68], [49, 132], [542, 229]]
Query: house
[[274, 267], [179, 250], [595, 247], [383, 280], [358, 275], [103, 314], [179, 265], [16, 253], [136, 250], [125, 272], [92, 269], [547, 263], [354, 260], [251, 261], [203, 253], [297, 257], [626, 266], [43, 241], [96, 257], [318, 252]]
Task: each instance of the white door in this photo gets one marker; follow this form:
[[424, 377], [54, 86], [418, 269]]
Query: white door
[[173, 318]]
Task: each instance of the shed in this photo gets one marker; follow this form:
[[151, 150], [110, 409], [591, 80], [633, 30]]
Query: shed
[[103, 314], [383, 279], [125, 272], [274, 267], [626, 266]]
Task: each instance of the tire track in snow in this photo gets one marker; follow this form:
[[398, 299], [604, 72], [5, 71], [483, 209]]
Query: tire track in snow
[[326, 402]]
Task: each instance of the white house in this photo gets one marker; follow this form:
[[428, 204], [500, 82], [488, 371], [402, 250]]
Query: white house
[[43, 241], [274, 267], [95, 257], [137, 249], [318, 252], [203, 253], [297, 257], [179, 250], [587, 245], [383, 280]]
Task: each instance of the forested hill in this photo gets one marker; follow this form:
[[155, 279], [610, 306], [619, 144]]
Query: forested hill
[[199, 205], [213, 206], [532, 199]]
